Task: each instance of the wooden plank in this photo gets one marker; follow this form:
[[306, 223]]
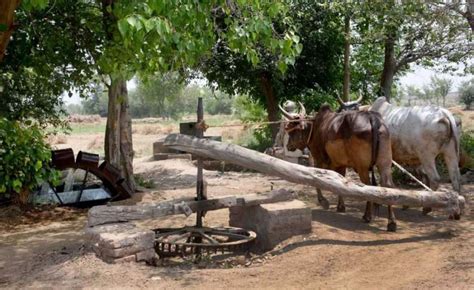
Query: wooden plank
[[320, 178], [106, 214]]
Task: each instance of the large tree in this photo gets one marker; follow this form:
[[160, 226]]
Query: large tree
[[318, 67], [160, 36], [412, 32], [145, 37], [43, 62]]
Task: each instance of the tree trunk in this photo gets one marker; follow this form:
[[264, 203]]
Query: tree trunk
[[118, 133], [389, 67], [7, 15], [347, 52], [319, 178], [272, 106]]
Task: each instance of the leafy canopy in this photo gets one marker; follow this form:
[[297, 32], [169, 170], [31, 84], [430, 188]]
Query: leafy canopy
[[172, 35], [52, 51], [316, 70]]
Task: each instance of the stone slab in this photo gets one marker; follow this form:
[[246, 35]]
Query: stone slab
[[126, 239], [274, 222]]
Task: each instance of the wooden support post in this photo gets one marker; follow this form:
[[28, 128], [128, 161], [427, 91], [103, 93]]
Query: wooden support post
[[200, 177], [320, 178]]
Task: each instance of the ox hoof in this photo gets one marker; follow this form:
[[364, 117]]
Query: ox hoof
[[426, 210], [367, 219], [341, 208], [455, 217], [405, 207], [324, 203], [392, 227]]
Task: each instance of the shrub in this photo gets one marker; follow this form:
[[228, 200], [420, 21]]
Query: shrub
[[466, 93], [24, 159], [250, 112], [467, 149]]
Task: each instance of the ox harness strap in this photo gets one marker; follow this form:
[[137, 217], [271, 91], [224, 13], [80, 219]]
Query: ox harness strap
[[375, 124]]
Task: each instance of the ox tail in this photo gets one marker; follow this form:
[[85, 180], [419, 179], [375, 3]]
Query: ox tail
[[455, 135], [375, 124]]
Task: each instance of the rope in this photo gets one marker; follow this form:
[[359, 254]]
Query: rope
[[257, 123], [409, 174]]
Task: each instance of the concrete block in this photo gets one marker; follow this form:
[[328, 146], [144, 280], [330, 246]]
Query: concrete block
[[274, 222]]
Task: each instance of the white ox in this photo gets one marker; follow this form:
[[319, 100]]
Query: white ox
[[419, 134]]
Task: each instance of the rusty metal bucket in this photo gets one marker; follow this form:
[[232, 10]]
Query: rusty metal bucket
[[63, 159], [87, 161]]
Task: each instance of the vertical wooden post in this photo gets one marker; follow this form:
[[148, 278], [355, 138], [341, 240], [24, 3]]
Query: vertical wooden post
[[200, 178]]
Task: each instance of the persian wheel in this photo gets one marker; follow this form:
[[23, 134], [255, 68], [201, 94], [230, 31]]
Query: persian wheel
[[85, 182], [196, 240]]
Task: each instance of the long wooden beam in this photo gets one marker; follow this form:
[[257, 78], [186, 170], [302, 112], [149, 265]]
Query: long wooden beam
[[105, 214], [320, 178]]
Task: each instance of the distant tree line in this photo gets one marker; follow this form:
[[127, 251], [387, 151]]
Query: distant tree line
[[165, 96]]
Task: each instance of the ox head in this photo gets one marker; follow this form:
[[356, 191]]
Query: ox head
[[297, 128], [349, 106]]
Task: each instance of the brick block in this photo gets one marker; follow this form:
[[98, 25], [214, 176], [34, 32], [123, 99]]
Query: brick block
[[273, 222]]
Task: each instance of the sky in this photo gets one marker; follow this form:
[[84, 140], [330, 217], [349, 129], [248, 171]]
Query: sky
[[419, 76]]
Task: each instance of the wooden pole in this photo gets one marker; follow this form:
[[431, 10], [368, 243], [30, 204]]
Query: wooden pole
[[320, 178], [200, 178]]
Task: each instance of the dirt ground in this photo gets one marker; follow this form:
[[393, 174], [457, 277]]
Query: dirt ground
[[341, 252], [48, 249]]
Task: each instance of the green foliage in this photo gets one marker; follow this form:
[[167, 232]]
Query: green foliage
[[318, 65], [144, 181], [251, 112], [466, 93], [160, 95], [160, 36], [217, 102], [24, 157], [428, 33], [467, 147], [96, 103], [52, 51], [433, 93]]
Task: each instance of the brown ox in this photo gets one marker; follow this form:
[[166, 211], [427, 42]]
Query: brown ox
[[353, 139]]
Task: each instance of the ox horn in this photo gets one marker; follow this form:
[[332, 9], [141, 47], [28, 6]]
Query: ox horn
[[303, 109], [360, 97], [285, 113], [339, 100]]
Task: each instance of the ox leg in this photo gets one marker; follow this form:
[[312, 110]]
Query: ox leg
[[429, 167], [367, 217], [386, 180], [341, 207], [452, 163], [365, 178], [322, 200], [392, 222]]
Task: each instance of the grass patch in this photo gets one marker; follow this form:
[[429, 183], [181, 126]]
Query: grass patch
[[87, 128]]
